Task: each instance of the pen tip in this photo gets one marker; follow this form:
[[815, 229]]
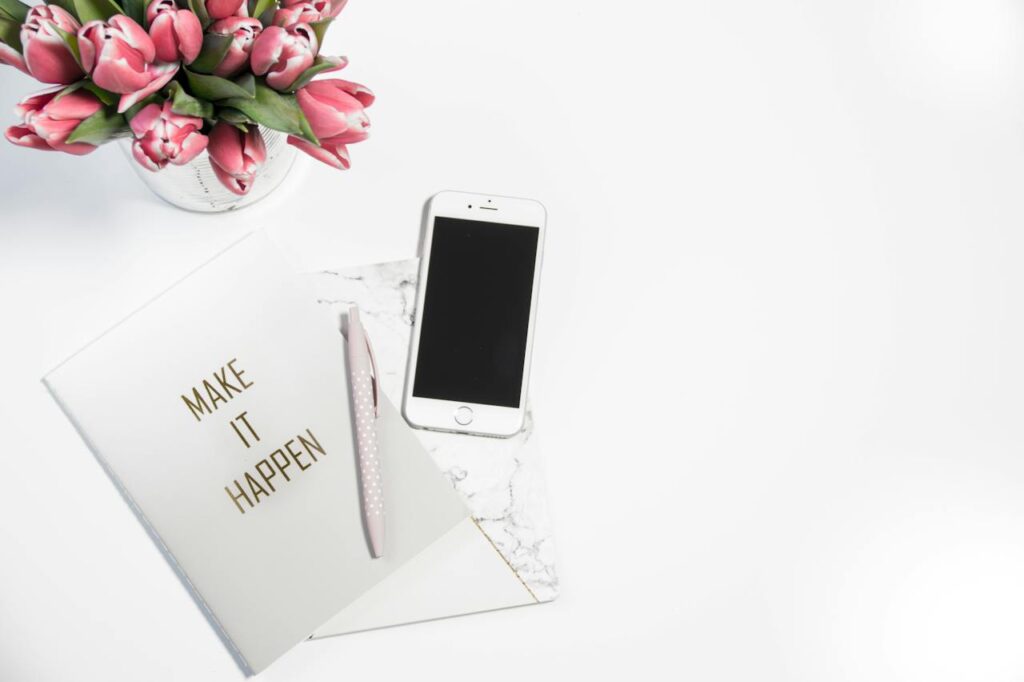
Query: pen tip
[[375, 526]]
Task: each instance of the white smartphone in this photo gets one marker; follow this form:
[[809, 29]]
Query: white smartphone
[[469, 360]]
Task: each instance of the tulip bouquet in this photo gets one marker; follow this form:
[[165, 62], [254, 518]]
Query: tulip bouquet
[[183, 76]]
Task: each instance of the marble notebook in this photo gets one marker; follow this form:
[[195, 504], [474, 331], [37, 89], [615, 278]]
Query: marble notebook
[[220, 410], [500, 480]]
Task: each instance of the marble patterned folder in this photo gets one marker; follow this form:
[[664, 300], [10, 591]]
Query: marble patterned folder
[[500, 481]]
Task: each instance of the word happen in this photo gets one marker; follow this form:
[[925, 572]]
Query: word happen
[[260, 481]]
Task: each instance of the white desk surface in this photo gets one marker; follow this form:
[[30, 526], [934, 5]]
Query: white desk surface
[[779, 357]]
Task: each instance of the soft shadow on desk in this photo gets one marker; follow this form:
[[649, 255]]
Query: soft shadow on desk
[[87, 185]]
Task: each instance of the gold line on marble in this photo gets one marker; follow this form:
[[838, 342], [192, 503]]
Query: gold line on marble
[[510, 567]]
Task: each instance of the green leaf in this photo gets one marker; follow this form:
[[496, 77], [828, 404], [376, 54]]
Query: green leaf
[[214, 48], [71, 40], [100, 127], [198, 8], [275, 110], [248, 83], [136, 9], [319, 66], [187, 105], [71, 88], [67, 6], [130, 113], [233, 116], [214, 88], [104, 96], [320, 29], [10, 33], [258, 7], [88, 10], [267, 18], [17, 11], [108, 98]]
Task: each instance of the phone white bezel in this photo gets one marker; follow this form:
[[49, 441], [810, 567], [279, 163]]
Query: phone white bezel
[[439, 415]]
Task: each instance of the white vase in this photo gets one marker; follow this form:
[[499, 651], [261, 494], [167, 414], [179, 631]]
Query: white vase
[[194, 187]]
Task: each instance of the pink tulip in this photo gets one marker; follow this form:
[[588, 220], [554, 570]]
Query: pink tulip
[[236, 157], [47, 121], [283, 54], [46, 55], [334, 108], [222, 9], [299, 13], [330, 151], [11, 57], [326, 8], [119, 54], [176, 33], [163, 137], [243, 32]]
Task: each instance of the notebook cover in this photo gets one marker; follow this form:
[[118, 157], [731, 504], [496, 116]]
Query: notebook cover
[[221, 412]]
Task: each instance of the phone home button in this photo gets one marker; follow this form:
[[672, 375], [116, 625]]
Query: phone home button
[[464, 416]]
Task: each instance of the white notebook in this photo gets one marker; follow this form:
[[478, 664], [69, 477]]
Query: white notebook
[[221, 412]]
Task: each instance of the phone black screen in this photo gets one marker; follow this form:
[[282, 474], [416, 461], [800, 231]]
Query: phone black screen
[[476, 312]]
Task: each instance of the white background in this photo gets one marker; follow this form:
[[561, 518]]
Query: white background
[[778, 364]]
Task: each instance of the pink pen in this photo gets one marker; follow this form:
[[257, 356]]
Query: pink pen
[[362, 367]]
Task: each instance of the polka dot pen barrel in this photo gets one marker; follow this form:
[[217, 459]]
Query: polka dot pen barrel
[[362, 367]]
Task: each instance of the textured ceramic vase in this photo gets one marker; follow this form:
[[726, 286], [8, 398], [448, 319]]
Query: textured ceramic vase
[[194, 187]]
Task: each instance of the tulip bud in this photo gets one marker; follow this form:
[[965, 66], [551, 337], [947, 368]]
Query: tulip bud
[[243, 32], [163, 137], [46, 55], [11, 57], [329, 151], [176, 33], [236, 157], [283, 54], [326, 8], [118, 55], [336, 107], [335, 111], [299, 13], [222, 9], [48, 121]]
